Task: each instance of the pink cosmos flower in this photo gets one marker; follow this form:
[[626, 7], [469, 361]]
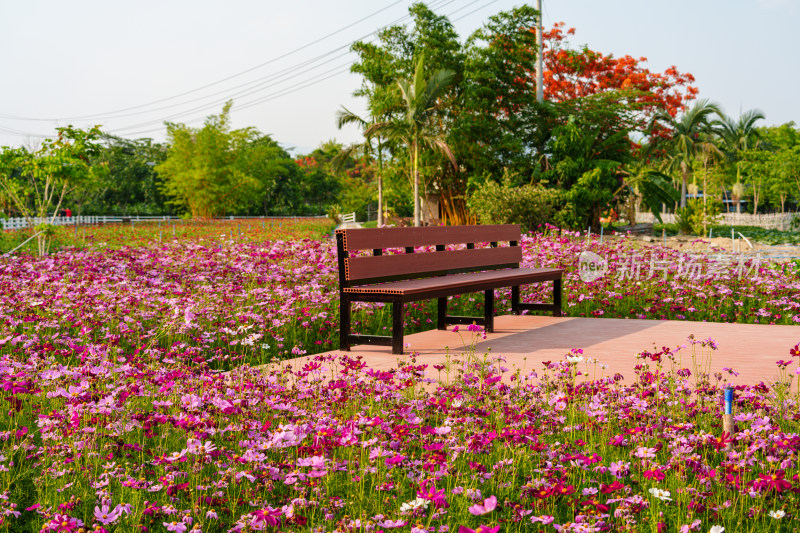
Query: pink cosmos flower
[[487, 506], [196, 447], [481, 529], [396, 460], [106, 516], [266, 516], [392, 524], [427, 491], [179, 527], [64, 523], [315, 462]]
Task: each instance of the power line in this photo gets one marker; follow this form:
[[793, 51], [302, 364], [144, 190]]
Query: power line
[[254, 83], [473, 11], [280, 92], [245, 92], [236, 75], [258, 85], [213, 104]]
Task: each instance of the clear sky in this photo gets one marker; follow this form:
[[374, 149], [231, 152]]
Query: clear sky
[[130, 66]]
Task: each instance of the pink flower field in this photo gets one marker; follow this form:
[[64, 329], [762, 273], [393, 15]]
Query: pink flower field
[[135, 398]]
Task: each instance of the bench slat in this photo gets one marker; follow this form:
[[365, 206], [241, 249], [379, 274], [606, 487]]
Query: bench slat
[[461, 283], [371, 238], [382, 266]]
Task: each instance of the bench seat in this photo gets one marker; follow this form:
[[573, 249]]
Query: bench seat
[[438, 286]]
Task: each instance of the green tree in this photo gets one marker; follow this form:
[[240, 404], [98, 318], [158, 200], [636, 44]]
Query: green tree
[[322, 183], [687, 136], [784, 164], [128, 183], [756, 168], [785, 175], [738, 136], [643, 183], [420, 98], [365, 149], [489, 131], [589, 180], [37, 182], [203, 173], [394, 57], [278, 179]]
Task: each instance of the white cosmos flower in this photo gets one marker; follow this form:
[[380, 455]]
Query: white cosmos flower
[[661, 494], [716, 529], [414, 504], [574, 359], [780, 513]]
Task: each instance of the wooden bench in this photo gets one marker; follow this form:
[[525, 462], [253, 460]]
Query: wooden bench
[[414, 272]]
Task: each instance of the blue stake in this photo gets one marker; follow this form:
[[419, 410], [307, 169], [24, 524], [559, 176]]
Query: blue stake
[[727, 419], [728, 400]]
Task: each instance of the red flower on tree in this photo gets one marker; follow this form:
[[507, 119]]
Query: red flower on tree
[[570, 74]]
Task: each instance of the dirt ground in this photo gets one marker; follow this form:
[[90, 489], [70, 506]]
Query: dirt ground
[[725, 244]]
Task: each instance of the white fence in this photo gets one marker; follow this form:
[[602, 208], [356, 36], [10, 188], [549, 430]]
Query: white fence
[[781, 221], [22, 223]]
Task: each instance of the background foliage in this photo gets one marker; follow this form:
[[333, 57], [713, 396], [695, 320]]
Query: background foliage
[[612, 136]]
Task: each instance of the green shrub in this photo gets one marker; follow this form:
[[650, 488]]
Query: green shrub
[[528, 205], [706, 215], [697, 217], [683, 217]]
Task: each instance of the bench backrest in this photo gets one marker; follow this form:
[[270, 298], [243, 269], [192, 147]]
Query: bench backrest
[[417, 263]]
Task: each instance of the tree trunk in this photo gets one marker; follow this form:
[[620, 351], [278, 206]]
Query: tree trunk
[[416, 189], [705, 204], [630, 208], [738, 178], [684, 183], [380, 185], [380, 201]]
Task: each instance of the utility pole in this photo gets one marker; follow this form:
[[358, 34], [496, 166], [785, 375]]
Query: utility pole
[[539, 71]]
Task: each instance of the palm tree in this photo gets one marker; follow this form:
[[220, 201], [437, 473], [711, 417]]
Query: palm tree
[[343, 117], [687, 138], [653, 188], [420, 99], [737, 137]]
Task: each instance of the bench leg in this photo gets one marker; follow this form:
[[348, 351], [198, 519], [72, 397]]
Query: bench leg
[[488, 310], [515, 300], [344, 322], [397, 326], [441, 315], [557, 297]]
